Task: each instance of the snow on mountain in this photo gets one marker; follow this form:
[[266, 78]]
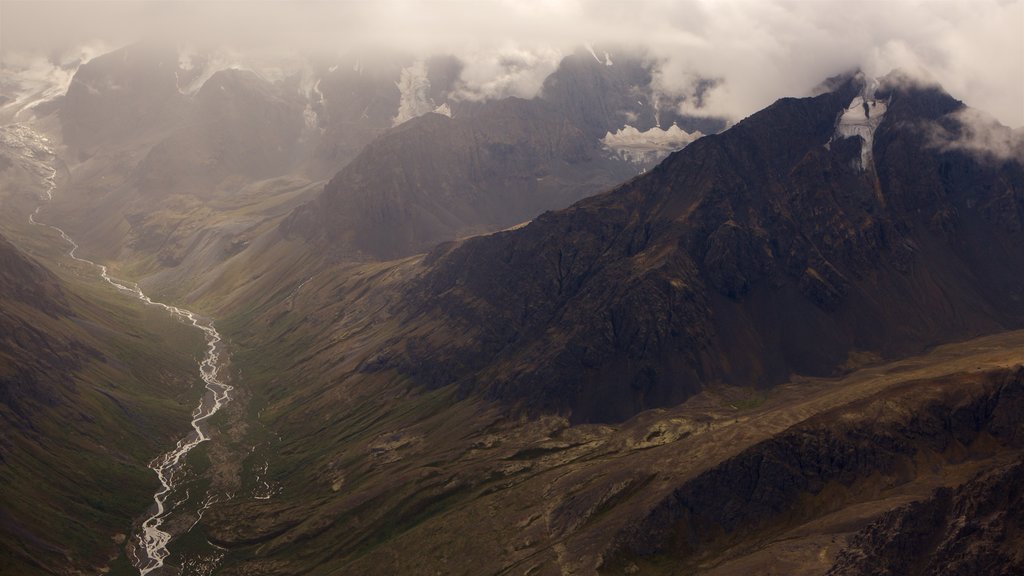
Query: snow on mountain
[[861, 118], [444, 109], [414, 86]]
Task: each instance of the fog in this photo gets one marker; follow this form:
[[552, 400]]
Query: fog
[[759, 49]]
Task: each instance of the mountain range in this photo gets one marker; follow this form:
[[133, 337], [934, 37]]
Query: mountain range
[[493, 343]]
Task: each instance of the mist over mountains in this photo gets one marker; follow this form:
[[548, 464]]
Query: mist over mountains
[[539, 288]]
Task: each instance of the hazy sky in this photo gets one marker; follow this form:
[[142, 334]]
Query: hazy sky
[[763, 49]]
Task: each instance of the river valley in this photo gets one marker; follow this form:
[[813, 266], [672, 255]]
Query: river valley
[[153, 537]]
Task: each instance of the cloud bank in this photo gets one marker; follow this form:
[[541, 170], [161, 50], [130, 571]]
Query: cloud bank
[[759, 49]]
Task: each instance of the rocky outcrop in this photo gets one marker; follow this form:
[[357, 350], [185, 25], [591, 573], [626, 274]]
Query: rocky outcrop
[[971, 529], [836, 458]]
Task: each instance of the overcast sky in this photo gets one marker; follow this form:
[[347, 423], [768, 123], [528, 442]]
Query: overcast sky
[[762, 49]]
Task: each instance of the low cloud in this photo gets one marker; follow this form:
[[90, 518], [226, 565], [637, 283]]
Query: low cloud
[[978, 133], [759, 50], [509, 70]]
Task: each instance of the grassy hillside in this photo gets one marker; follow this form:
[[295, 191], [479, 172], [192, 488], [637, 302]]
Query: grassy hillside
[[93, 385]]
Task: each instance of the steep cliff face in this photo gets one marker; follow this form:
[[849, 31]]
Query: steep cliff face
[[750, 255]]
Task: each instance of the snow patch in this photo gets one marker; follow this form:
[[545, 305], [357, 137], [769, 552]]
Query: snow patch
[[444, 109], [645, 147], [861, 118], [414, 87]]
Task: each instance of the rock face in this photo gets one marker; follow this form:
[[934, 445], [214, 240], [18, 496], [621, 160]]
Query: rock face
[[601, 93], [972, 529], [116, 97], [767, 250], [435, 178], [821, 463]]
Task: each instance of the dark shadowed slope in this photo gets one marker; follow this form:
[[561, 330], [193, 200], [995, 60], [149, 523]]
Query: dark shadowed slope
[[88, 395], [436, 178], [770, 249]]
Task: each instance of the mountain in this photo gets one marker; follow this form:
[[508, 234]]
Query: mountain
[[153, 188], [494, 164], [748, 360], [115, 98], [777, 350], [771, 249], [603, 95], [241, 128], [359, 97], [436, 178]]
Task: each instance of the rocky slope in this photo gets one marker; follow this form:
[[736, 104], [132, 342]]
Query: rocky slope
[[123, 97], [971, 529], [768, 250], [622, 386], [436, 178], [240, 126]]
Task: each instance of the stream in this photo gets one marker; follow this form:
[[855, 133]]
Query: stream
[[169, 469]]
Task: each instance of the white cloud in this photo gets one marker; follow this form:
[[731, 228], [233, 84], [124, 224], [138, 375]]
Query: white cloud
[[980, 134], [760, 49]]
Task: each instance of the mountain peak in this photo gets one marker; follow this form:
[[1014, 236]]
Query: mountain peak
[[638, 297]]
